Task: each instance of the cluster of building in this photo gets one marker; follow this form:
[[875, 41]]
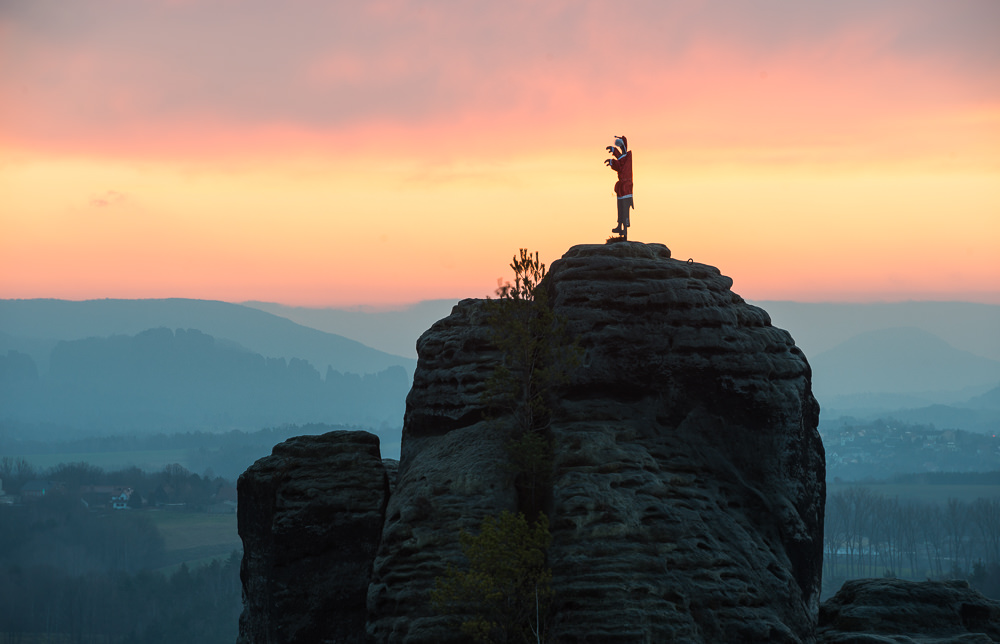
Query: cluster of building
[[118, 497], [883, 448], [115, 497]]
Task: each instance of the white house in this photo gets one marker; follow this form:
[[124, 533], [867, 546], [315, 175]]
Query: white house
[[119, 501]]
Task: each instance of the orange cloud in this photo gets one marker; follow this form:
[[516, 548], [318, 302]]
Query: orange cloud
[[110, 197], [388, 152]]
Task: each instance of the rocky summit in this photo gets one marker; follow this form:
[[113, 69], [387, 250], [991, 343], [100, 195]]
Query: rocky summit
[[894, 611], [687, 490]]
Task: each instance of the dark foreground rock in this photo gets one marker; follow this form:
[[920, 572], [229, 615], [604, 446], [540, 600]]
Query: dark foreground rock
[[688, 477], [689, 490], [688, 494], [310, 515], [877, 611]]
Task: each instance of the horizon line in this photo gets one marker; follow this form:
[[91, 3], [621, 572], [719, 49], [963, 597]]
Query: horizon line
[[985, 299]]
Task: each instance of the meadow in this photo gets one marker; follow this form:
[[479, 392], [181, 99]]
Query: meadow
[[194, 538]]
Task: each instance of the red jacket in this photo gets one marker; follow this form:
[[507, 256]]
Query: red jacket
[[623, 165]]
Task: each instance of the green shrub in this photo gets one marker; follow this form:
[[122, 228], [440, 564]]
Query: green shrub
[[506, 589]]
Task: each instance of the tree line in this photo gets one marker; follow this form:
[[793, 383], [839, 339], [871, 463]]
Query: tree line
[[873, 535], [63, 530], [227, 454], [174, 484], [70, 573], [22, 442], [46, 604]]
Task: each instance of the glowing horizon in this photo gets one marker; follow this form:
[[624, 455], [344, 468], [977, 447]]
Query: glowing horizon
[[846, 153]]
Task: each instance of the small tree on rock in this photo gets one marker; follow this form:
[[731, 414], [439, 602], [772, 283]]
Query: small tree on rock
[[506, 590], [507, 586], [537, 355]]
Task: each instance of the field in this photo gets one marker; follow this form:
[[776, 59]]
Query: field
[[927, 493], [195, 538], [148, 460]]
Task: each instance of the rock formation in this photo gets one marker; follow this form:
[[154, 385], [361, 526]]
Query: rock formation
[[688, 477], [874, 611], [688, 493], [310, 515]]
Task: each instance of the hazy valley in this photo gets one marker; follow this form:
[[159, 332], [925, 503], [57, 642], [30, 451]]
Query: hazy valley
[[201, 390], [73, 369]]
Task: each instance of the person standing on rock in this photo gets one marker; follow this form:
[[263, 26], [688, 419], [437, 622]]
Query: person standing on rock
[[622, 164]]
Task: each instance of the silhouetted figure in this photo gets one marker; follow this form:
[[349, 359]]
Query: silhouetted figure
[[622, 164]]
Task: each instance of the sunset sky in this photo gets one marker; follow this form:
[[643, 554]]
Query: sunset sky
[[327, 153]]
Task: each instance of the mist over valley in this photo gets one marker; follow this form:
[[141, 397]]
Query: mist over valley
[[171, 400], [100, 367]]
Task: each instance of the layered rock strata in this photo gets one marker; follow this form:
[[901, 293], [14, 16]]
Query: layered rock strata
[[453, 471], [688, 481], [688, 489], [874, 611], [310, 516]]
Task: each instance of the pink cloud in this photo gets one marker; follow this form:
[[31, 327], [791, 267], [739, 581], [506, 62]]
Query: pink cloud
[[109, 198], [109, 74]]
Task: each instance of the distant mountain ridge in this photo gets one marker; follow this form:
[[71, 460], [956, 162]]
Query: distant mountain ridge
[[815, 326], [393, 330], [162, 380], [31, 325], [862, 366], [988, 400], [909, 375], [820, 326], [904, 360]]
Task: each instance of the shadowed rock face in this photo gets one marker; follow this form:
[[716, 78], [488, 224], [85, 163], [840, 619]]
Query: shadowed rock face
[[452, 473], [688, 495], [310, 515], [689, 489]]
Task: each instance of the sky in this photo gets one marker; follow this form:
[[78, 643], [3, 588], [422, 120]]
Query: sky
[[319, 153]]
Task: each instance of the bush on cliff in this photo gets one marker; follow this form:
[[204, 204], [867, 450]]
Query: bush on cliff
[[527, 332], [507, 587], [538, 354]]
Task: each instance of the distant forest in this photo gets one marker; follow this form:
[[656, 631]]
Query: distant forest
[[868, 534], [195, 606], [162, 380], [72, 571], [225, 454]]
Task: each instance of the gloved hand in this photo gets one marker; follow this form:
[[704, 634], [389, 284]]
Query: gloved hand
[[607, 162], [611, 149]]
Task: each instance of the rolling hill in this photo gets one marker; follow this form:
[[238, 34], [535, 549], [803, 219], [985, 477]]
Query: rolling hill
[[34, 326], [903, 360]]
